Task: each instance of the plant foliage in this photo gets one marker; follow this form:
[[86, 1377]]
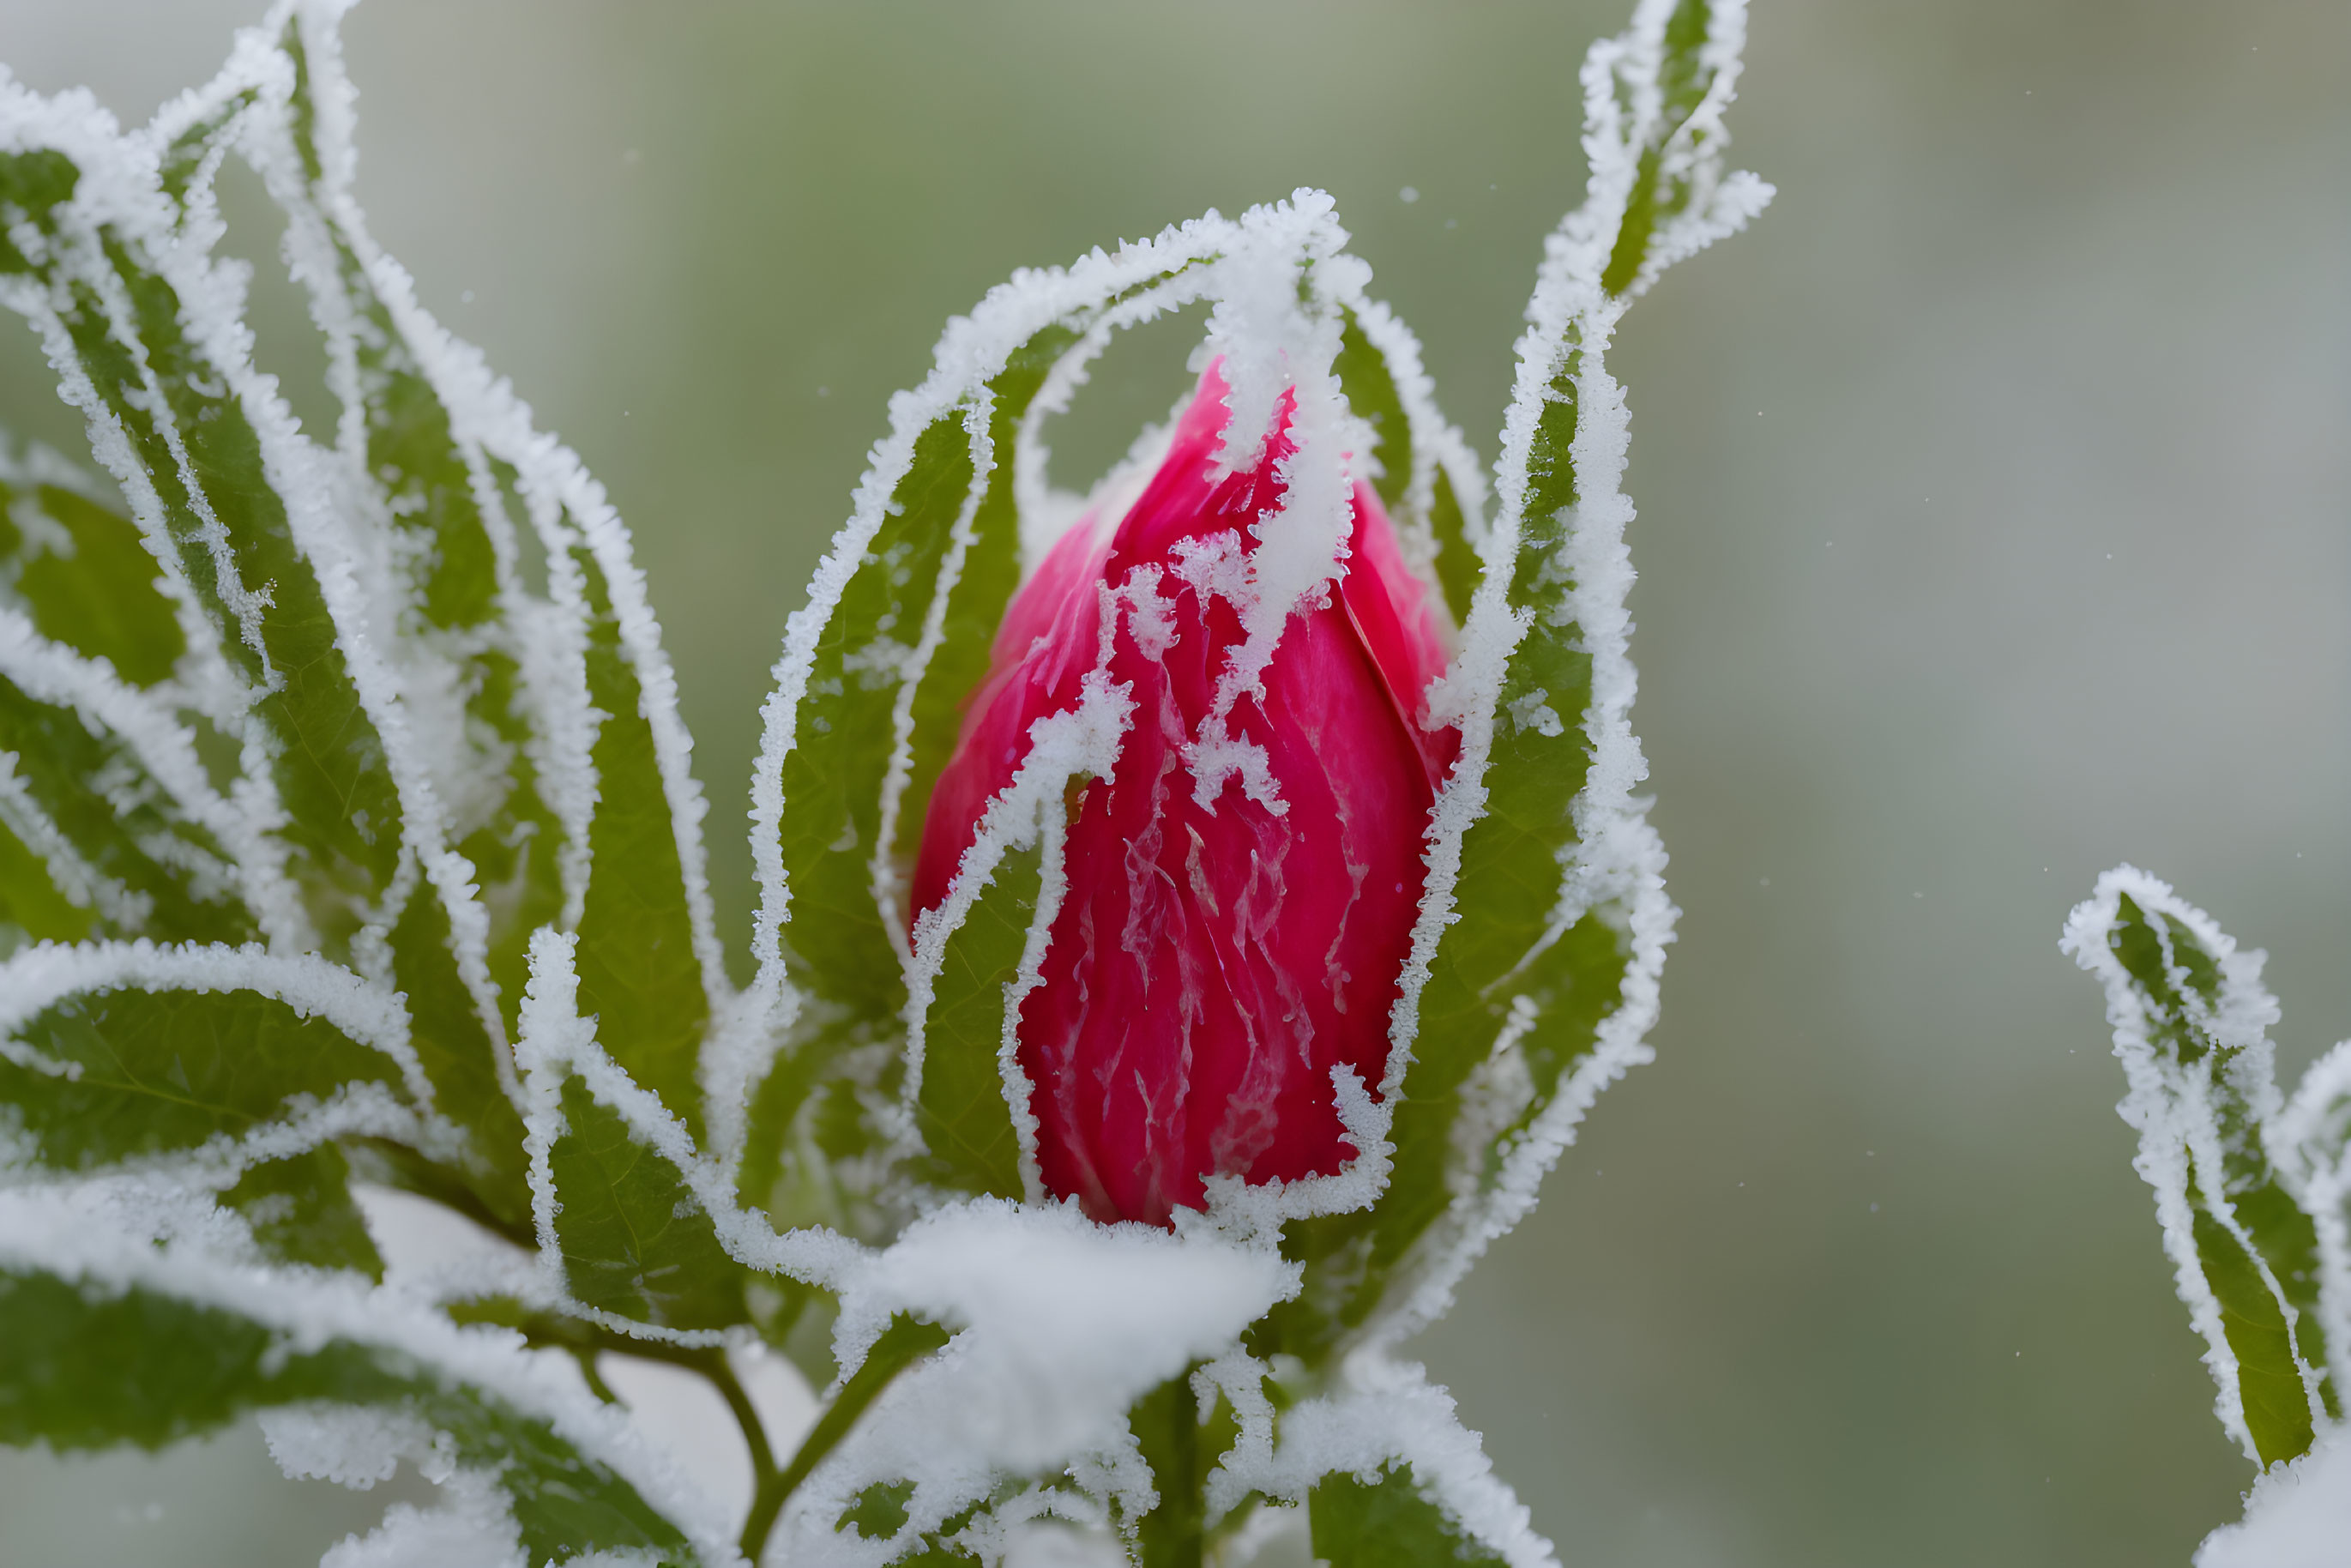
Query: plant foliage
[[350, 849]]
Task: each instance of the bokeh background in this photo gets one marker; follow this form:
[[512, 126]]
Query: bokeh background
[[1993, 499]]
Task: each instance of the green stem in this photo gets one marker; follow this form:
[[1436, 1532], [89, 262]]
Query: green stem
[[766, 1494], [905, 1338], [902, 1342], [766, 1501]]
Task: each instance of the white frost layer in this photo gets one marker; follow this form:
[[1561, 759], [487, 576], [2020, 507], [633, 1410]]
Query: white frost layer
[[2298, 1514], [1060, 1326], [411, 1537], [1063, 1323]]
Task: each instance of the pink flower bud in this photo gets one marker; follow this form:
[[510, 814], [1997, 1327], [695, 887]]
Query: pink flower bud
[[1212, 962]]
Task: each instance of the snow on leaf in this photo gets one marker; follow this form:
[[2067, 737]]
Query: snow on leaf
[[1058, 1325]]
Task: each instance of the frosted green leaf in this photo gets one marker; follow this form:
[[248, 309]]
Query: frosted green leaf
[[461, 1060], [440, 493], [2190, 1019], [639, 971], [818, 1133], [845, 731], [83, 575], [1386, 1523], [835, 774], [1546, 922], [91, 1367], [964, 1122], [634, 1239], [128, 1063], [301, 1211], [166, 417], [1416, 456], [110, 836], [30, 902]]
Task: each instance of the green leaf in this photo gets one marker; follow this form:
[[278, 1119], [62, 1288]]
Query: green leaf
[[1386, 1523], [194, 464], [90, 1366], [639, 973], [634, 1239], [29, 899], [879, 1512], [2207, 1091], [984, 584], [145, 868], [1457, 567], [1374, 396], [838, 945], [101, 1075], [438, 493], [1661, 190], [301, 1211], [2269, 1388], [965, 1123], [85, 577], [460, 1057], [819, 1123]]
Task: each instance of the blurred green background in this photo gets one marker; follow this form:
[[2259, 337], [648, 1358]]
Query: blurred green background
[[1993, 496]]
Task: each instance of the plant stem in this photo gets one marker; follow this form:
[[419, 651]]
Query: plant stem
[[905, 1340], [767, 1496], [902, 1342], [767, 1501]]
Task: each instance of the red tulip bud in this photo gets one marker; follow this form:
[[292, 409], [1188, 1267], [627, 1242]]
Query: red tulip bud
[[1241, 895]]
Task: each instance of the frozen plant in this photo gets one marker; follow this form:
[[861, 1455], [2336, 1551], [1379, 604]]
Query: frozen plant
[[2253, 1194], [1172, 971]]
